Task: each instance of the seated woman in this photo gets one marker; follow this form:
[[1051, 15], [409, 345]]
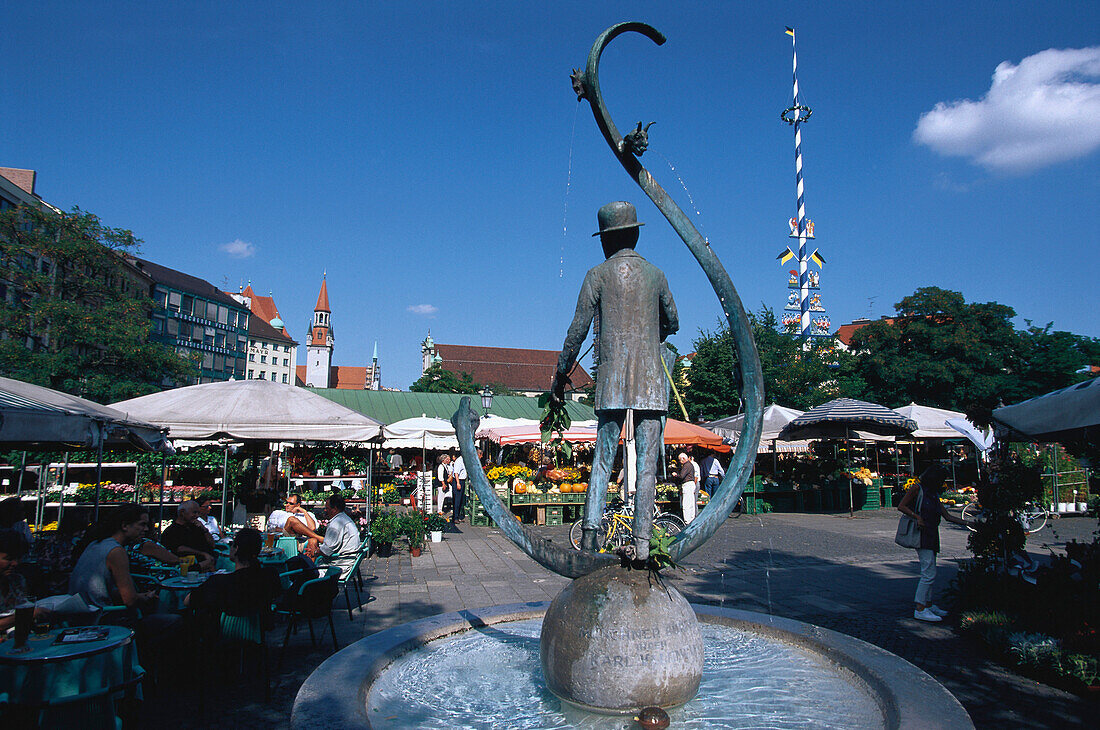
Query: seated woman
[[248, 590], [102, 572]]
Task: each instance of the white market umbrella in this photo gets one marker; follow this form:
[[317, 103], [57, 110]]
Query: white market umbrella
[[422, 432], [775, 418], [932, 422], [250, 410]]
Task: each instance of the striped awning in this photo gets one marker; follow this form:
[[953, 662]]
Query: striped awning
[[846, 418]]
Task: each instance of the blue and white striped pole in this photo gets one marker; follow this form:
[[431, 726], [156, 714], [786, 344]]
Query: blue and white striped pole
[[800, 114]]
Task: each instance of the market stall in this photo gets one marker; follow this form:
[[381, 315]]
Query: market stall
[[250, 412]]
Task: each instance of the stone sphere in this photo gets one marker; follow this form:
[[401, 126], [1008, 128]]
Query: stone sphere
[[617, 640]]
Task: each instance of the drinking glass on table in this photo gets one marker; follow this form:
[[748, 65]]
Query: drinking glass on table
[[24, 619]]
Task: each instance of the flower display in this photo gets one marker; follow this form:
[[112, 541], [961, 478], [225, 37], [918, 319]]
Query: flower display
[[508, 471]]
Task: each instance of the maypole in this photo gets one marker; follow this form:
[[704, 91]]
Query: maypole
[[802, 281]]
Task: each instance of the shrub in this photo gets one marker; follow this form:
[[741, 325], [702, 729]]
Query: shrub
[[386, 526]]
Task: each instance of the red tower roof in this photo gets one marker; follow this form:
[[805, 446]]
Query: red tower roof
[[322, 299]]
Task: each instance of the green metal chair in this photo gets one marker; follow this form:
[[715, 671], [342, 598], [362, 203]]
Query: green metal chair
[[352, 578], [246, 633], [313, 600]]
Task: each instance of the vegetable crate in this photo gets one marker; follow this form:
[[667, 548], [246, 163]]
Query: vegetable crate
[[554, 514]]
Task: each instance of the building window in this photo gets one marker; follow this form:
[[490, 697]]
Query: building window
[[286, 362], [208, 361], [187, 304], [273, 377], [263, 358], [174, 301], [250, 373], [284, 377], [263, 375], [251, 357], [172, 326], [161, 297], [208, 335], [263, 345], [223, 316]]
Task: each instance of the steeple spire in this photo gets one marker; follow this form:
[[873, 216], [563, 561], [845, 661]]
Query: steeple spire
[[322, 298]]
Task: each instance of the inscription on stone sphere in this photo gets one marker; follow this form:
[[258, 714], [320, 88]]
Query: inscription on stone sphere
[[617, 640]]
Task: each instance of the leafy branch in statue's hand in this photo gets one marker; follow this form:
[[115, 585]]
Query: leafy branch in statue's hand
[[554, 423], [659, 543]]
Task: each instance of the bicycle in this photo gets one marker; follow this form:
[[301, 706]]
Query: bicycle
[[1033, 517], [616, 528]]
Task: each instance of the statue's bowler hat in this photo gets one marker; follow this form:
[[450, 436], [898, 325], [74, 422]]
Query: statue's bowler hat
[[617, 216]]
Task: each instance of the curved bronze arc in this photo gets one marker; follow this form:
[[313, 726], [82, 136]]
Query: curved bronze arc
[[752, 380], [563, 561]]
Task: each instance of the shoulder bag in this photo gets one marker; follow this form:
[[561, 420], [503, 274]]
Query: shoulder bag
[[908, 530]]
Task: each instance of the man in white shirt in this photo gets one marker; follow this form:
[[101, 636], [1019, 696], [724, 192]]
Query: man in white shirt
[[342, 542], [459, 481], [444, 474], [207, 520]]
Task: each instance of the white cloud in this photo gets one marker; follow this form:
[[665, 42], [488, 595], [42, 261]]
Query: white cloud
[[239, 249], [1040, 112], [425, 309]]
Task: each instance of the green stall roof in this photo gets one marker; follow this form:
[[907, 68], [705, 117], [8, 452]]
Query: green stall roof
[[390, 406]]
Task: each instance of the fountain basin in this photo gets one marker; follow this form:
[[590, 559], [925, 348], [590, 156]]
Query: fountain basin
[[339, 693]]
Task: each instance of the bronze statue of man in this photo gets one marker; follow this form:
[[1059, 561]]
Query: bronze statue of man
[[636, 314]]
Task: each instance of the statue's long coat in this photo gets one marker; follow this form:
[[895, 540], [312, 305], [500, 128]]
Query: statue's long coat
[[636, 313]]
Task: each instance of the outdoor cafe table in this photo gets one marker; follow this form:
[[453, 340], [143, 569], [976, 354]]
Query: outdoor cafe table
[[275, 557], [174, 590], [49, 671]]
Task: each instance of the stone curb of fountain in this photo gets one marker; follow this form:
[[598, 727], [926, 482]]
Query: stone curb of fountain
[[908, 697]]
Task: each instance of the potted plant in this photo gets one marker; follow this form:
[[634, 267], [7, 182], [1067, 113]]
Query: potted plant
[[435, 523], [384, 529], [413, 525]]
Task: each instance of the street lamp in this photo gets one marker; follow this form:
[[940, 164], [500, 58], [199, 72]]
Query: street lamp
[[487, 399]]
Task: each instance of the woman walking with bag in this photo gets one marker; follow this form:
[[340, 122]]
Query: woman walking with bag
[[922, 503]]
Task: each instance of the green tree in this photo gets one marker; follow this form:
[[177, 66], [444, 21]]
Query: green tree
[[437, 379], [1051, 360], [69, 316], [940, 351], [797, 373]]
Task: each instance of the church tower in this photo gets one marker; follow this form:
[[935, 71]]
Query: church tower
[[320, 342]]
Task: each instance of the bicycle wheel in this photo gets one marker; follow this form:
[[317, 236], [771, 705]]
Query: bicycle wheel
[[1033, 518], [670, 519], [575, 532], [671, 527], [972, 513]]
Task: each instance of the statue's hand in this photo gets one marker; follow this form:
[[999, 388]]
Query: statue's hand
[[557, 388]]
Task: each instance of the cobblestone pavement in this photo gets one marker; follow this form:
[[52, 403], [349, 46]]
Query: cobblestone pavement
[[840, 573]]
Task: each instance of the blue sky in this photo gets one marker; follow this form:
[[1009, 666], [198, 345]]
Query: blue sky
[[432, 158]]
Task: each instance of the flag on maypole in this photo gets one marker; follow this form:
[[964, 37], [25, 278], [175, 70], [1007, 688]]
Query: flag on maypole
[[808, 306]]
